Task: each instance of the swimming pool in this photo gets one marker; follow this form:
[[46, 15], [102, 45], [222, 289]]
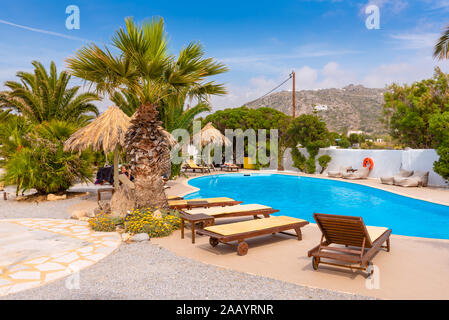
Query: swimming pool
[[302, 196]]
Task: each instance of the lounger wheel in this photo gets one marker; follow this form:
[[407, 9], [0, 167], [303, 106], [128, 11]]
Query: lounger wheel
[[213, 242], [315, 263], [242, 249]]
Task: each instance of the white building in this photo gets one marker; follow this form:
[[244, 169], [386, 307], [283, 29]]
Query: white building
[[320, 107]]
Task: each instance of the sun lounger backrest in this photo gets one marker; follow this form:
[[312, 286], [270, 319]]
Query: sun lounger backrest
[[343, 230]]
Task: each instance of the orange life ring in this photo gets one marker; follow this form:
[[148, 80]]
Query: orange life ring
[[368, 162]]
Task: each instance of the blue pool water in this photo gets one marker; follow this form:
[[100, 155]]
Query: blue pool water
[[302, 196]]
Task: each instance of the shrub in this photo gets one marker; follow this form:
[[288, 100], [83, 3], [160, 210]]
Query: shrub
[[42, 164], [145, 221], [299, 160], [324, 162], [442, 165], [102, 223], [311, 165]]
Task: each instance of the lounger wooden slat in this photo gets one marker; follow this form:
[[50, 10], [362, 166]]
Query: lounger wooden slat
[[350, 232], [241, 231], [193, 166], [235, 211], [202, 203]]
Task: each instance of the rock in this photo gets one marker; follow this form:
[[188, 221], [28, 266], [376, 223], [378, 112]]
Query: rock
[[77, 214], [119, 229], [126, 236], [91, 213], [86, 219], [2, 186], [140, 237], [104, 206], [21, 198], [53, 197]]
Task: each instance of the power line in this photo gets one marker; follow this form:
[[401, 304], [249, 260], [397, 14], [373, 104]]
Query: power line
[[291, 75]]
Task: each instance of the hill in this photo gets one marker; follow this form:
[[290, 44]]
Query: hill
[[353, 107]]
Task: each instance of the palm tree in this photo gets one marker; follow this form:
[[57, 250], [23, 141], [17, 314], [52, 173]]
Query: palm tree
[[172, 111], [43, 96], [127, 101], [441, 50], [145, 68]]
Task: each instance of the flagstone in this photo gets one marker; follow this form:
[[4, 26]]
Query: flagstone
[[48, 249], [26, 275], [50, 266]]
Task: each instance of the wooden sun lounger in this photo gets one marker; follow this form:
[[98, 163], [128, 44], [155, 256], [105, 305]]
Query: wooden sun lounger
[[202, 203], [230, 168], [349, 232], [241, 210], [193, 166], [174, 198], [241, 231]]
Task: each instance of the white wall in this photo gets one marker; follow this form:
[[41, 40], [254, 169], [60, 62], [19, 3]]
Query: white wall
[[386, 162]]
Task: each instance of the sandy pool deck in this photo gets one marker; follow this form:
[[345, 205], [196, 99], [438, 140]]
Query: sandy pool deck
[[416, 268]]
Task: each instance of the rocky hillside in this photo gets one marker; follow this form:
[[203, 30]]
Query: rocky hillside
[[351, 108]]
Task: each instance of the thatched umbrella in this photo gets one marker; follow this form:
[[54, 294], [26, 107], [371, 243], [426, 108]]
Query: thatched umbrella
[[211, 136], [106, 133]]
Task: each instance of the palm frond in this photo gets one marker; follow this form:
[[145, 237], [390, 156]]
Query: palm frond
[[441, 50]]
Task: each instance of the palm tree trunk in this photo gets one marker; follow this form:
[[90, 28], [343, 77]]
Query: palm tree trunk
[[116, 180], [147, 148]]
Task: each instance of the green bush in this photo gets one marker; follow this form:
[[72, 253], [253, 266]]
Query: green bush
[[299, 160], [344, 143], [324, 162], [311, 165], [442, 165], [40, 162]]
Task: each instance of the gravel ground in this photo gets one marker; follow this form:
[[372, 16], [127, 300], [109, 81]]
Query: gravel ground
[[147, 271], [11, 209]]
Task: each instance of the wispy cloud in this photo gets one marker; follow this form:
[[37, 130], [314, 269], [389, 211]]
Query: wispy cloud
[[51, 33], [299, 54], [416, 40]]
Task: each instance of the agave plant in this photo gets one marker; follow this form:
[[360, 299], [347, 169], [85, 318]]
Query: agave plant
[[145, 68], [41, 96]]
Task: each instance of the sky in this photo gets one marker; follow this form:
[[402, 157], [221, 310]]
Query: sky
[[326, 42]]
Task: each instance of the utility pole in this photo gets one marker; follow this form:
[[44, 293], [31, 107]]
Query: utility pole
[[294, 94]]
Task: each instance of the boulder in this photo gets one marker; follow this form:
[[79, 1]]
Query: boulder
[[140, 237], [119, 229], [53, 197], [126, 237], [77, 214], [86, 219]]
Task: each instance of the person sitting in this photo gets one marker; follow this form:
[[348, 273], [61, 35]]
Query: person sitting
[[126, 171]]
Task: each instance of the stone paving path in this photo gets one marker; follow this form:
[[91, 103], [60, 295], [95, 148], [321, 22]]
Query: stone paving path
[[34, 252]]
